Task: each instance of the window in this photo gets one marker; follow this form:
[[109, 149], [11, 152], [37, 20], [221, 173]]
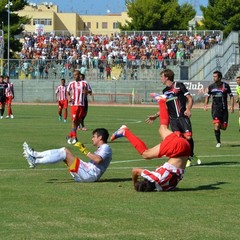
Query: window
[[88, 24], [104, 25], [115, 25], [46, 22], [96, 25]]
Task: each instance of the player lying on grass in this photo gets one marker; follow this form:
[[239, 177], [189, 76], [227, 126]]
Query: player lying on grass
[[80, 170], [176, 148]]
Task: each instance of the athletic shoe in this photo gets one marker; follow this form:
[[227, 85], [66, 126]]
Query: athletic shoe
[[84, 129], [189, 163], [69, 140], [1, 117], [11, 116], [196, 159], [74, 140], [31, 160], [28, 149], [158, 96], [218, 145], [7, 116], [60, 118], [64, 120], [78, 128], [119, 133]]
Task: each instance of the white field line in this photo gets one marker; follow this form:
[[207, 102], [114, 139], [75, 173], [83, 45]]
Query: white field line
[[136, 160]]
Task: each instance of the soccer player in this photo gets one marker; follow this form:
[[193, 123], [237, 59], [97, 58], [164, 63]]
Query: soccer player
[[3, 87], [238, 99], [179, 105], [81, 171], [9, 97], [175, 147], [82, 124], [76, 91], [61, 98], [219, 91]]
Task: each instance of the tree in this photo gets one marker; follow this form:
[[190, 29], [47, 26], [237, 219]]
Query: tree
[[16, 25], [158, 15], [221, 15]]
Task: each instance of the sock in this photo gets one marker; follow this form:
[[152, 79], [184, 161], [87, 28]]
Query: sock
[[65, 115], [136, 142], [191, 142], [217, 135], [50, 156], [2, 112], [164, 117]]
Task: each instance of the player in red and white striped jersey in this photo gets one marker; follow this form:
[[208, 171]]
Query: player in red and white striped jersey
[[9, 97], [61, 98], [175, 147], [76, 90]]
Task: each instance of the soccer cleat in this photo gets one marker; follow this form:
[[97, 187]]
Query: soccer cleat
[[218, 145], [28, 149], [11, 116], [1, 117], [84, 129], [75, 140], [65, 120], [7, 116], [158, 96], [119, 133], [69, 140], [60, 118], [31, 160], [195, 158], [189, 163]]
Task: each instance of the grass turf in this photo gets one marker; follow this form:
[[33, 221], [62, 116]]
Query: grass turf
[[45, 203]]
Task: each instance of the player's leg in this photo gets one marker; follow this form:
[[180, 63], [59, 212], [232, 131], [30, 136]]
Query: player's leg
[[216, 116], [59, 111]]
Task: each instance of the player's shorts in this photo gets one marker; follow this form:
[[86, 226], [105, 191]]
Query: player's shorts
[[9, 100], [182, 125], [174, 146], [166, 177], [84, 172], [62, 104], [220, 115], [77, 112]]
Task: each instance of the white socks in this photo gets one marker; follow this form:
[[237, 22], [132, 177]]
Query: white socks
[[50, 156]]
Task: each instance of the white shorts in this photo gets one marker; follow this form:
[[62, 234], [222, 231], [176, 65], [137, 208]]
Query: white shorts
[[84, 172]]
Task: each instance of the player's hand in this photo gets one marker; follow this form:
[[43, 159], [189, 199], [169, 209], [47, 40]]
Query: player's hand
[[150, 119], [81, 148], [187, 113]]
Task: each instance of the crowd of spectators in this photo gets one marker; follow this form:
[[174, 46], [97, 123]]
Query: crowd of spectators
[[63, 54]]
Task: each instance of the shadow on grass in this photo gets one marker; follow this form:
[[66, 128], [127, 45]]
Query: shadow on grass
[[116, 180], [218, 163], [54, 180], [213, 186]]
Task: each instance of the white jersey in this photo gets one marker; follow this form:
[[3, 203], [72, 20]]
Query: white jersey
[[105, 152]]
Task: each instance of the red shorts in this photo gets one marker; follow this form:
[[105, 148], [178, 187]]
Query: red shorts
[[63, 104], [174, 146], [77, 112], [9, 100]]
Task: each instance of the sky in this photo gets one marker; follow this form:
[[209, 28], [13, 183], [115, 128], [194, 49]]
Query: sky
[[102, 7]]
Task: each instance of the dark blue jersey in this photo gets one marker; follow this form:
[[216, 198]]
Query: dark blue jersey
[[176, 99], [219, 95]]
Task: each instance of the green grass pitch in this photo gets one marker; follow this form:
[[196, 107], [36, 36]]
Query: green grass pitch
[[45, 203]]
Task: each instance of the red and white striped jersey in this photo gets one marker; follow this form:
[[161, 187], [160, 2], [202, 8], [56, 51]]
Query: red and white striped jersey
[[62, 92], [9, 90], [78, 90]]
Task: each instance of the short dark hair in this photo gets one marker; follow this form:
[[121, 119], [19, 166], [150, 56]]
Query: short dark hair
[[169, 74], [218, 73], [101, 132], [144, 186]]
